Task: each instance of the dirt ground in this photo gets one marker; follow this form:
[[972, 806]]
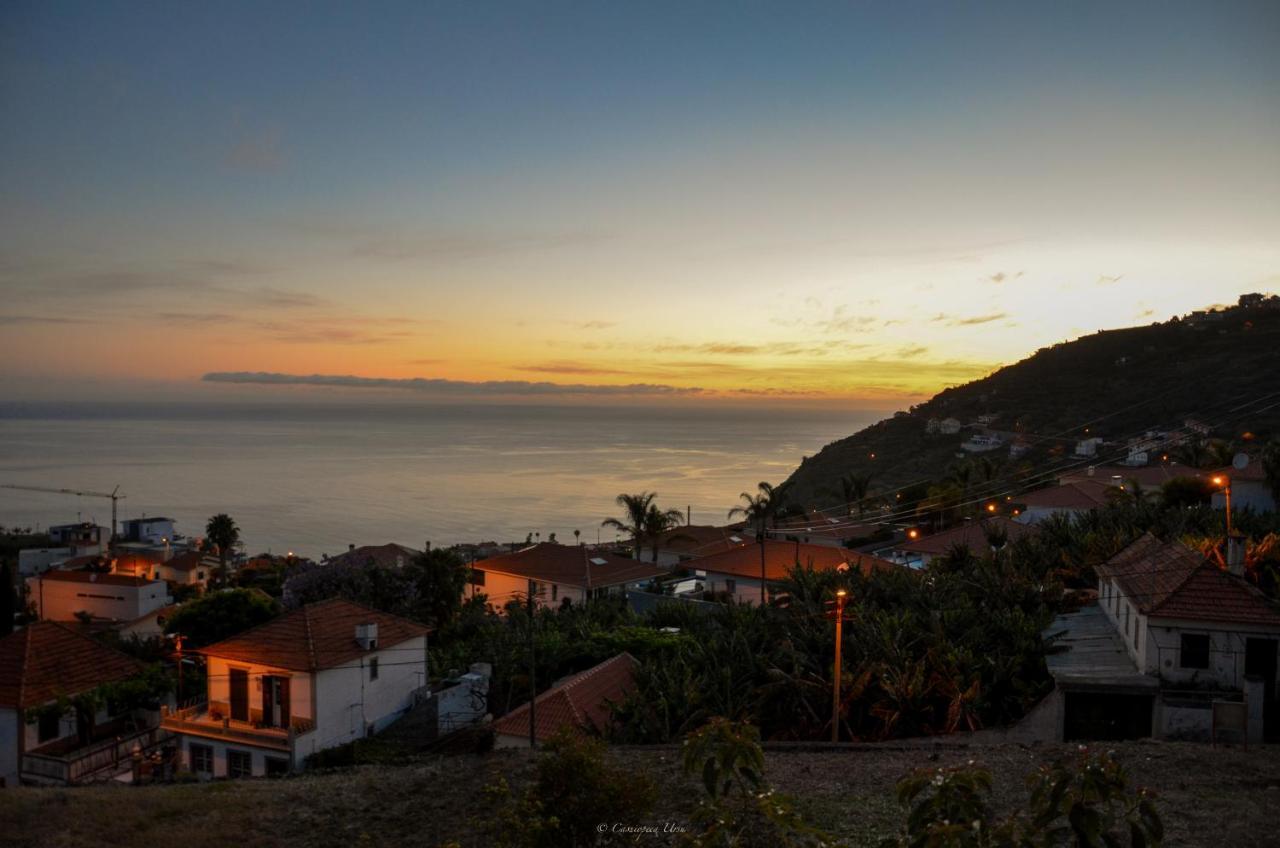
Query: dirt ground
[[1207, 797]]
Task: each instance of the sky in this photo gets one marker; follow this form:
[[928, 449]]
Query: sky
[[855, 203]]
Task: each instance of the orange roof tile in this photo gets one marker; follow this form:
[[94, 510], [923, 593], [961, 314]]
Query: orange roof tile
[[191, 560], [580, 703], [1078, 494], [1169, 580], [314, 637], [390, 555], [46, 659], [570, 565], [781, 557]]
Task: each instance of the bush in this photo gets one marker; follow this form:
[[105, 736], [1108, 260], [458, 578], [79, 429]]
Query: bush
[[576, 797]]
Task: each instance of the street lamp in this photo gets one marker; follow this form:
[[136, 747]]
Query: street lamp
[[835, 678], [1225, 482]]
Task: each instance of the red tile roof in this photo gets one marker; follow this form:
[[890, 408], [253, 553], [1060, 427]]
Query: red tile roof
[[697, 540], [570, 565], [44, 660], [972, 536], [314, 637], [390, 555], [100, 577], [191, 560], [781, 557], [1149, 476], [580, 703], [1169, 580], [1079, 494]]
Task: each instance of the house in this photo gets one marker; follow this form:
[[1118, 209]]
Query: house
[[1170, 634], [1150, 477], [982, 442], [191, 568], [81, 533], [1019, 448], [41, 664], [691, 541], [1249, 489], [1088, 447], [553, 573], [150, 530], [390, 555], [736, 573], [60, 595], [829, 531], [580, 704], [1067, 499], [945, 426], [974, 535], [70, 541], [320, 676]]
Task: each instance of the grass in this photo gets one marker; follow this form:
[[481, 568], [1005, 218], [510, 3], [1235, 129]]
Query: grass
[[1207, 797]]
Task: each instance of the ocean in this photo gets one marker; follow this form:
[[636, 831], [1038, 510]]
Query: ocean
[[313, 478]]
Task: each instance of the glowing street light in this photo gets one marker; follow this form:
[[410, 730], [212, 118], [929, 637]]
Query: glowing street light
[[1224, 481]]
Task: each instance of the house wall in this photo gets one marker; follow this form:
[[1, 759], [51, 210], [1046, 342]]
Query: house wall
[[58, 600], [1036, 514], [10, 736], [502, 588], [32, 561], [745, 590], [348, 702], [1247, 494], [1226, 652], [220, 747], [219, 688]]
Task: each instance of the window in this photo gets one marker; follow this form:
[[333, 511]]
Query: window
[[373, 668], [275, 766], [239, 763], [730, 586], [50, 725], [1195, 650], [477, 577], [201, 758]]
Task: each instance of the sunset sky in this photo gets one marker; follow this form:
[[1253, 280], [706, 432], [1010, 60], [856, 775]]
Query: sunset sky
[[853, 203]]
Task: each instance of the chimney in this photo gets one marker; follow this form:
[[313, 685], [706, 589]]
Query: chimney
[[1235, 555], [367, 636], [428, 546], [350, 547]]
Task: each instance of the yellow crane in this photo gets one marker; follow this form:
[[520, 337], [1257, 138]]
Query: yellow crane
[[113, 495]]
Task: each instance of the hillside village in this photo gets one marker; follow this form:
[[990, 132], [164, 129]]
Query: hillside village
[[1097, 583]]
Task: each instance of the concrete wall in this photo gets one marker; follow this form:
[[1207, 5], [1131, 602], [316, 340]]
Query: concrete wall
[[34, 561], [1226, 652], [219, 687], [745, 590], [58, 600], [1247, 494], [258, 756]]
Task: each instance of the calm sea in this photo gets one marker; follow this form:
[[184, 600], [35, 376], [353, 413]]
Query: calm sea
[[314, 478]]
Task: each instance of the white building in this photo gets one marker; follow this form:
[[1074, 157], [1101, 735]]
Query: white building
[[553, 573], [1088, 447], [38, 743], [982, 442], [945, 426], [320, 676], [59, 595], [1070, 498], [152, 530], [1249, 489]]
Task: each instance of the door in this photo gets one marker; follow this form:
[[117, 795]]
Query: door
[[1260, 661], [239, 694], [275, 701]]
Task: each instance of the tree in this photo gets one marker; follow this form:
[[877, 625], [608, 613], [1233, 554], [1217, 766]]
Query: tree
[[224, 535], [855, 487], [439, 576], [220, 615], [657, 522], [1271, 466], [761, 509], [8, 601], [636, 509]]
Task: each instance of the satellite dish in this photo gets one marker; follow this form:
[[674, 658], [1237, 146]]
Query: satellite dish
[[1239, 461]]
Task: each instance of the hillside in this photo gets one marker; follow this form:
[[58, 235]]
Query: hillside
[[1118, 383], [1206, 797]]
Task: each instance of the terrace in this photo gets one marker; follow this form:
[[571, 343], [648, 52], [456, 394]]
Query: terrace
[[199, 720]]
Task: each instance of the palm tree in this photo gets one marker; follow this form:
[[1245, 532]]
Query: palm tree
[[761, 509], [222, 533], [636, 509], [656, 524], [855, 486]]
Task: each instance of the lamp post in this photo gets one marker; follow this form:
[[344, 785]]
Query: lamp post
[[835, 677], [1225, 482]]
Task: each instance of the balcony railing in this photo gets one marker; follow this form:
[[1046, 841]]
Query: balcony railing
[[81, 764], [197, 720]]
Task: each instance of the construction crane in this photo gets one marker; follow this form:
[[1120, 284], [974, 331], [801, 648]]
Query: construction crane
[[113, 495]]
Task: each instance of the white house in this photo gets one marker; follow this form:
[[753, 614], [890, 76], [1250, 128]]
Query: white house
[[976, 536], [553, 573], [40, 664], [737, 573], [320, 676], [982, 442], [1070, 498], [1088, 447], [59, 595], [150, 530]]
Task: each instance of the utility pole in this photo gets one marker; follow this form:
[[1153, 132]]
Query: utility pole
[[178, 642], [835, 678], [764, 598], [533, 685]]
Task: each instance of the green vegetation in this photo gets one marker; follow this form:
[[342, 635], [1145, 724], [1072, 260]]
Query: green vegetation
[[223, 534], [643, 521], [219, 615]]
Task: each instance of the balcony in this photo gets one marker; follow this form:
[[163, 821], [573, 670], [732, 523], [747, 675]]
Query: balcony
[[198, 720], [62, 763]]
